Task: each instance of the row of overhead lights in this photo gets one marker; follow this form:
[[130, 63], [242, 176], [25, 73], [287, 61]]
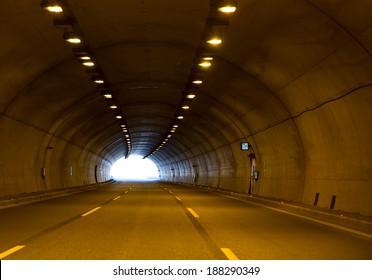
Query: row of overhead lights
[[64, 18], [217, 20]]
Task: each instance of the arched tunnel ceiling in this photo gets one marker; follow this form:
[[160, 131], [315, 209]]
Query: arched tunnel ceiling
[[271, 50]]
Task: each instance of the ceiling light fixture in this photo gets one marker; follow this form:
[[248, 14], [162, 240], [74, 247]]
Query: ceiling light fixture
[[71, 37], [88, 63], [207, 58], [51, 6], [225, 6], [97, 79], [107, 95], [205, 64], [214, 41], [227, 9]]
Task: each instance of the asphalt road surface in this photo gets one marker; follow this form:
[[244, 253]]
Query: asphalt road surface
[[150, 220]]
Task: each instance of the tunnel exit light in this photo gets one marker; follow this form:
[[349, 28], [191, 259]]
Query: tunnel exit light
[[134, 168]]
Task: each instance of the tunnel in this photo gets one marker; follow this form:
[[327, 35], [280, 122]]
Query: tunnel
[[270, 100]]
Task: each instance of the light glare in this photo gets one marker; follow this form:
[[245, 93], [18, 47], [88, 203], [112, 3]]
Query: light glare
[[134, 168], [227, 9], [54, 9], [215, 41]]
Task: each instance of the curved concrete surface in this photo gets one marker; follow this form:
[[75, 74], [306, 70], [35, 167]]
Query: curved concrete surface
[[291, 77]]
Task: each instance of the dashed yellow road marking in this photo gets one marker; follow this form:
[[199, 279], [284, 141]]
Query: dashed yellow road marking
[[11, 251], [170, 192], [179, 199], [229, 254], [90, 212], [193, 213], [116, 198]]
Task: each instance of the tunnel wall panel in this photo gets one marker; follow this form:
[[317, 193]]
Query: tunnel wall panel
[[338, 152], [17, 172], [29, 150]]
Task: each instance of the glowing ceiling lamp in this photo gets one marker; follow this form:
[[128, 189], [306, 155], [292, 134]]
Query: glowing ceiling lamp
[[72, 38], [88, 63], [197, 82], [214, 41], [51, 6], [226, 6], [205, 64]]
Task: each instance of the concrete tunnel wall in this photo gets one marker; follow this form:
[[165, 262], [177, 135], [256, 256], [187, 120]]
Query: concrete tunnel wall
[[306, 113], [324, 147], [309, 123]]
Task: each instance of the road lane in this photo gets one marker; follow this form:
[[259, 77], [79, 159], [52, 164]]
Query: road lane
[[254, 232], [25, 222], [155, 221], [145, 223]]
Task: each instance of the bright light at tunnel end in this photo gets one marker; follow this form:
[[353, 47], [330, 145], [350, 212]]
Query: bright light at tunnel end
[[134, 168]]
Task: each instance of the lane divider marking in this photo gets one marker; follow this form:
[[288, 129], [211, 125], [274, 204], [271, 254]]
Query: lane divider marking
[[179, 199], [116, 198], [170, 192], [90, 212], [229, 254], [11, 251], [193, 213]]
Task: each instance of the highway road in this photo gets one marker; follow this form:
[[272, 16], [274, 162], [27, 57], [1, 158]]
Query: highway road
[[151, 220]]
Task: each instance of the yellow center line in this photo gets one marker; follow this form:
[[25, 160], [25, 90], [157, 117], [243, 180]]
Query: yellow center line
[[229, 254], [11, 251], [193, 213], [90, 212], [116, 198], [179, 199]]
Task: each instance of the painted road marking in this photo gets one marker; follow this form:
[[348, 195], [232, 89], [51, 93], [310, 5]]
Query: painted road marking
[[90, 212], [11, 251], [193, 213], [116, 198], [179, 199], [229, 254], [170, 192], [126, 192]]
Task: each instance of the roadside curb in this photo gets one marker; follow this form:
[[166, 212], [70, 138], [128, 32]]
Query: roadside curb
[[45, 195]]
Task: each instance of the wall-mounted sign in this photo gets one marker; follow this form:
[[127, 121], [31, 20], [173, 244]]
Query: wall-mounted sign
[[244, 146]]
